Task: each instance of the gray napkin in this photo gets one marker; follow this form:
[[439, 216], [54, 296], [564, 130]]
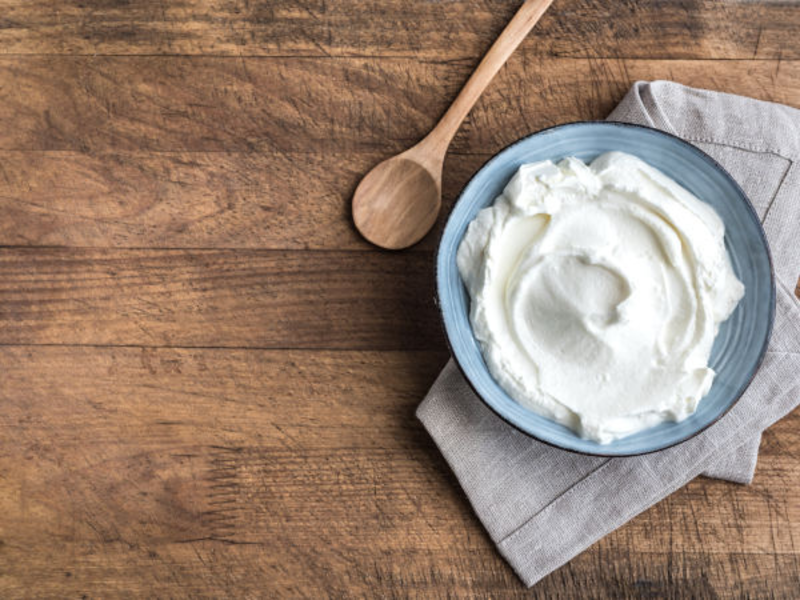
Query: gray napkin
[[543, 506]]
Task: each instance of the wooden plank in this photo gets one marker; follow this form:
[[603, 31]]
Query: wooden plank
[[279, 570], [334, 107], [304, 473], [457, 29], [173, 200], [192, 200], [245, 298]]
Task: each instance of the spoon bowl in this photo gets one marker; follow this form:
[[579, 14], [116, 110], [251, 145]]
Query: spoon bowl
[[397, 202]]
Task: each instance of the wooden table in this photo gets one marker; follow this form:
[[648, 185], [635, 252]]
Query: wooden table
[[208, 380]]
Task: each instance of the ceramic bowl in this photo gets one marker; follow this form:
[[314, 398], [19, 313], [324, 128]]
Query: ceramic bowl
[[742, 340]]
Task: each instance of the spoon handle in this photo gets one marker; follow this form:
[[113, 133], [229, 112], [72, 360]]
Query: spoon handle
[[519, 26]]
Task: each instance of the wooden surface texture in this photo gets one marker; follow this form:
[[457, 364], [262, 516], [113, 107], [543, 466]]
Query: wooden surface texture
[[208, 380]]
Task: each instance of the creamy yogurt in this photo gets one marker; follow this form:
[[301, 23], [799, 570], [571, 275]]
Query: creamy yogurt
[[597, 291]]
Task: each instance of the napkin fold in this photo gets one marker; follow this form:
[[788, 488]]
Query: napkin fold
[[543, 506]]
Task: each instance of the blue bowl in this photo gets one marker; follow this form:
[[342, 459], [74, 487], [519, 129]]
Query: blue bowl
[[742, 340]]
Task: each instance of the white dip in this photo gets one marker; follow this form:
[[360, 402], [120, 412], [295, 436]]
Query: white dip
[[597, 292]]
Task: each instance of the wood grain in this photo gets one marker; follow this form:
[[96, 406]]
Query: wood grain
[[443, 30], [226, 200], [184, 199], [215, 298], [178, 104], [313, 478]]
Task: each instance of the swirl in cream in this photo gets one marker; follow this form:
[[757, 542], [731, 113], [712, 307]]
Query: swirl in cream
[[597, 292]]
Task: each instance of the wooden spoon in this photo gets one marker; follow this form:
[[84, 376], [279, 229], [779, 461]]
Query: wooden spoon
[[398, 201]]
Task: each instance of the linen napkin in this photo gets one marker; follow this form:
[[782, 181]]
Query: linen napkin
[[543, 506]]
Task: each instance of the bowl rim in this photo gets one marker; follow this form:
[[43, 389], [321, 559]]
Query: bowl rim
[[748, 203]]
